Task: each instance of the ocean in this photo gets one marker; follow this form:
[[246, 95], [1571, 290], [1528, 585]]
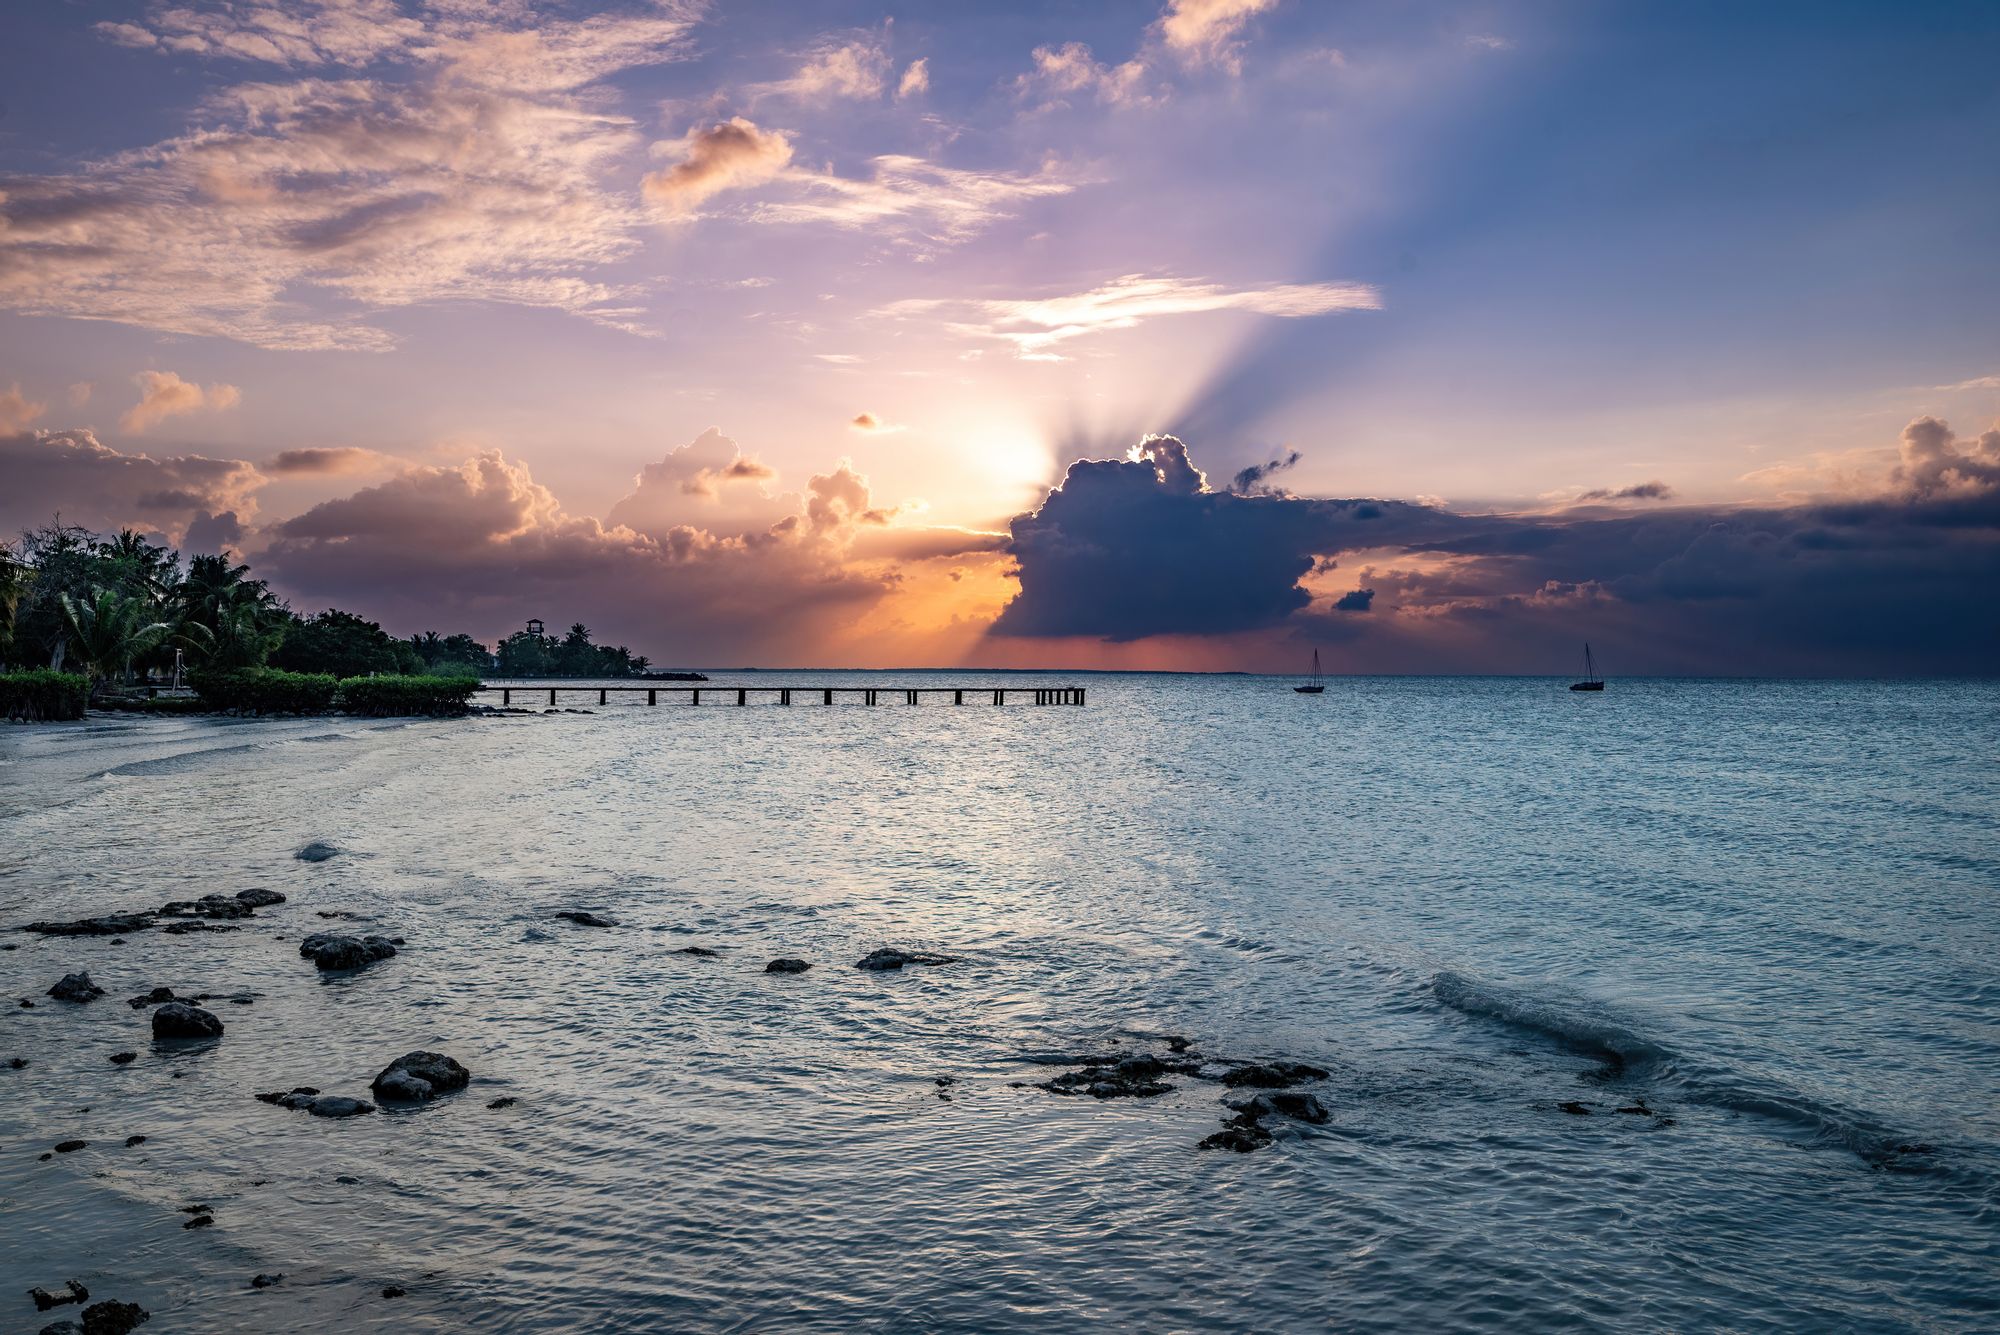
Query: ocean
[[1761, 917]]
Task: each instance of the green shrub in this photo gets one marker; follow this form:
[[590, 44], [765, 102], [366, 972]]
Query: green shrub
[[41, 696], [392, 696], [265, 690]]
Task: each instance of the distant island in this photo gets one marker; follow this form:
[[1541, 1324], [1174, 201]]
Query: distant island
[[116, 621]]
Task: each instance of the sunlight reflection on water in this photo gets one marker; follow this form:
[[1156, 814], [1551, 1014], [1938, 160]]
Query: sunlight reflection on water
[[1773, 903]]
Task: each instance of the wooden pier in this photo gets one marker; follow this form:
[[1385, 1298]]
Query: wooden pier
[[869, 695]]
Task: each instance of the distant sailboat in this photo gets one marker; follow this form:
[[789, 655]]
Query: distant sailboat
[[1318, 684], [1591, 681]]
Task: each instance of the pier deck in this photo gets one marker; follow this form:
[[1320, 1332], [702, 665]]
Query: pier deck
[[867, 695]]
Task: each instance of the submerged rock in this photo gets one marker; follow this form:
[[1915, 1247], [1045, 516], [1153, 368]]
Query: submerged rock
[[787, 966], [1127, 1078], [1298, 1106], [1241, 1139], [419, 1077], [71, 1292], [123, 1058], [504, 1101], [257, 897], [113, 1318], [186, 925], [316, 852], [888, 958], [1272, 1075], [108, 924], [585, 918], [17, 1063], [177, 1019], [1574, 1109], [152, 998], [208, 906], [130, 1141], [76, 987], [332, 951], [306, 1098], [702, 951], [71, 1146], [265, 1281]]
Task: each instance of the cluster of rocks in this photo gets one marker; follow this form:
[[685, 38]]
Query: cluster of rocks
[[414, 1077], [188, 915], [1116, 1075], [160, 995], [334, 952]]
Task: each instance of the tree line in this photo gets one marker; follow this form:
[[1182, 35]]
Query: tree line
[[121, 608]]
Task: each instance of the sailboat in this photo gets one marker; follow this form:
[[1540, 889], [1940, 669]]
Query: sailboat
[[1591, 681], [1317, 686]]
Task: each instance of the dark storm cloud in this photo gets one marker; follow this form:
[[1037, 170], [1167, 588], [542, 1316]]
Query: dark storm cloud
[[1899, 583], [1127, 549], [1252, 479], [1638, 491]]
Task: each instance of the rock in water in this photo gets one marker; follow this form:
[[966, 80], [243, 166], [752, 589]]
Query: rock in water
[[339, 1105], [265, 1281], [703, 951], [123, 1058], [177, 1019], [1131, 1078], [109, 924], [585, 918], [259, 898], [419, 1077], [886, 958], [208, 906], [152, 998], [1242, 1139], [787, 966], [1272, 1075], [76, 987], [332, 951], [71, 1146], [1282, 1103], [316, 852], [72, 1292], [114, 1318]]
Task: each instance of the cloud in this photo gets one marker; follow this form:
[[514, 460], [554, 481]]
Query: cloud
[[332, 461], [1900, 582], [16, 410], [708, 483], [1252, 479], [1933, 465], [102, 488], [483, 545], [79, 393], [945, 203], [1486, 41], [466, 158], [916, 78], [732, 155], [1034, 326], [1207, 31], [852, 69], [163, 394], [1063, 71], [1638, 491], [871, 423]]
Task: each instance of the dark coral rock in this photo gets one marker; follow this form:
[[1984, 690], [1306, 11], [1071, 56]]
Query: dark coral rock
[[702, 951], [108, 924], [585, 918], [787, 966], [152, 998], [208, 906], [888, 958], [1129, 1078], [123, 1058], [114, 1318], [76, 987], [1242, 1139], [1272, 1075], [333, 952], [257, 897], [1300, 1107], [419, 1077], [177, 1019], [70, 1146], [71, 1292], [1574, 1109], [265, 1281], [316, 852]]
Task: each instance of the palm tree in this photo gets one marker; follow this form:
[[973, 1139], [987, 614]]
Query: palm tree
[[109, 629]]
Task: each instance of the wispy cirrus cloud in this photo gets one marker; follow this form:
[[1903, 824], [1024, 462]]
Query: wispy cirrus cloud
[[942, 203], [1034, 326], [470, 165]]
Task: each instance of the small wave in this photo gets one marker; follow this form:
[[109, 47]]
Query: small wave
[[1627, 1055], [1621, 1050]]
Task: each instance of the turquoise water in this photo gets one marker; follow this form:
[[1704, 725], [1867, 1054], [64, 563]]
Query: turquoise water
[[1769, 913]]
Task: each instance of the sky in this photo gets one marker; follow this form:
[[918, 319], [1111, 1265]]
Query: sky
[[1175, 334]]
